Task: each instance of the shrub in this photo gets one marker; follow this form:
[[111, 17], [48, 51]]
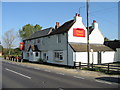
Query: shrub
[[40, 60]]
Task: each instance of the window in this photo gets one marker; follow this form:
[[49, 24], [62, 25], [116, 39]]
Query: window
[[27, 54], [38, 41], [36, 54], [34, 41], [59, 38], [31, 53], [58, 55], [42, 41]]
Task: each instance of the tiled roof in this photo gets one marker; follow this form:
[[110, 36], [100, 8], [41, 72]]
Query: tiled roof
[[82, 47], [41, 33], [64, 28], [51, 31]]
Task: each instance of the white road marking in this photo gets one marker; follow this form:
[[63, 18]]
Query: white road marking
[[60, 73], [103, 82], [47, 70], [36, 68], [78, 77], [18, 73]]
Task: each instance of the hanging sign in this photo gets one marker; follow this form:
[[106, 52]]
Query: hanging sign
[[78, 32], [21, 45]]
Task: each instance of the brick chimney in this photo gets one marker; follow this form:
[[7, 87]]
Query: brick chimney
[[57, 25], [95, 24], [77, 17]]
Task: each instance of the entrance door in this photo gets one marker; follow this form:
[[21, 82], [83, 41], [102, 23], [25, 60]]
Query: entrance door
[[45, 56], [99, 58]]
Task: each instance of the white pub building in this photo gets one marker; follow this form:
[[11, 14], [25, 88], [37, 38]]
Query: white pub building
[[67, 44]]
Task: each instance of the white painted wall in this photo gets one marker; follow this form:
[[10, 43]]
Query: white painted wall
[[117, 55], [108, 57], [77, 24], [71, 56], [31, 55], [52, 60], [96, 36], [49, 45], [83, 57]]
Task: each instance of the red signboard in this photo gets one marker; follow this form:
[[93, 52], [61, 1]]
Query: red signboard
[[78, 32], [21, 45]]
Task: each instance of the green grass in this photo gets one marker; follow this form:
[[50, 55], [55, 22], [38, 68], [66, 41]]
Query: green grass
[[97, 69]]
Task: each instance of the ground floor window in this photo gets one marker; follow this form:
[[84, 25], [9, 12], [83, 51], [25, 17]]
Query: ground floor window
[[36, 54], [58, 55], [27, 54]]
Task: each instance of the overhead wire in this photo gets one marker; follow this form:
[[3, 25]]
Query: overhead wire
[[102, 10]]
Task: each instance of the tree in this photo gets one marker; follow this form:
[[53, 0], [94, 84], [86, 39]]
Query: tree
[[106, 39], [28, 30], [9, 40]]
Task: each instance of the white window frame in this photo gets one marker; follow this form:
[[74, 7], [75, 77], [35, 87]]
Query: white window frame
[[58, 55]]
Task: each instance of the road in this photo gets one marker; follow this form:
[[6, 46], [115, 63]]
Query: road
[[18, 76]]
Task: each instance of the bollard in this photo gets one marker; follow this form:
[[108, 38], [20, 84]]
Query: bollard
[[79, 65], [21, 60]]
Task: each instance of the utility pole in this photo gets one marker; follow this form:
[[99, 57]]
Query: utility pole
[[88, 45]]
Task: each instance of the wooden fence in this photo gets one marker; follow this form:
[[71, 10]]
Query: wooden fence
[[109, 67]]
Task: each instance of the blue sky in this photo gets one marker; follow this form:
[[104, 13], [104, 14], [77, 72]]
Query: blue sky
[[17, 14]]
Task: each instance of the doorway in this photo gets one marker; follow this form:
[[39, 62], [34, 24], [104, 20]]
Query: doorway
[[99, 57]]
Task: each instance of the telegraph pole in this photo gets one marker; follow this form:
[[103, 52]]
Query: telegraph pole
[[88, 45]]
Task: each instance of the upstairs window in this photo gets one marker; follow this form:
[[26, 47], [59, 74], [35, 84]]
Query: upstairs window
[[59, 38]]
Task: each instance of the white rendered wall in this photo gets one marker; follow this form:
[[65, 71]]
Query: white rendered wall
[[71, 56], [108, 57], [31, 56], [77, 24], [52, 60], [96, 37], [117, 55], [83, 57]]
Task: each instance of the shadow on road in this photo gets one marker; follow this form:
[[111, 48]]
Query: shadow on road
[[110, 79]]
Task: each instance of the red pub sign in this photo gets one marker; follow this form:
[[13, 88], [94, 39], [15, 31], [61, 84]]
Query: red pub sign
[[78, 32], [21, 45]]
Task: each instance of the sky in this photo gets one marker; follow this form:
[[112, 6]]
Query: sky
[[17, 14]]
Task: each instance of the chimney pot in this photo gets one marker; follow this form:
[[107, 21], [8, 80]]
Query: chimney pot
[[94, 21], [77, 14], [57, 25]]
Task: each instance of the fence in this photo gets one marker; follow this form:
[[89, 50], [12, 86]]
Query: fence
[[109, 67], [12, 58]]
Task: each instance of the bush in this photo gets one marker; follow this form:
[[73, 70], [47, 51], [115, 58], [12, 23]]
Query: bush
[[40, 60]]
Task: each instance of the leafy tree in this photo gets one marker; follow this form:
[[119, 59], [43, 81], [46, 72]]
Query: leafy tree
[[14, 52], [28, 30]]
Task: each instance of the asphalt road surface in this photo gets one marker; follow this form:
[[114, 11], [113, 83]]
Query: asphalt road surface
[[17, 76]]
